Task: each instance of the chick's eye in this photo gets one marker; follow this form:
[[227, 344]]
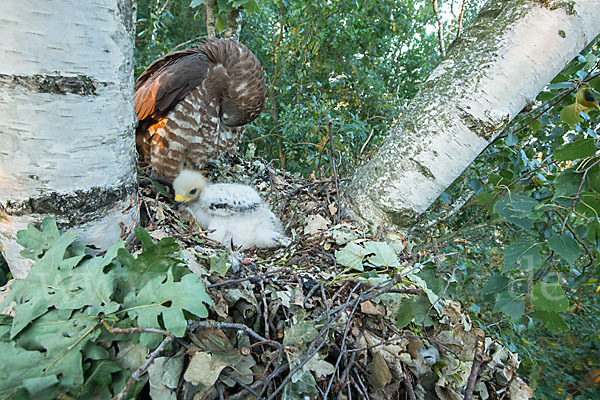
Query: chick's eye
[[193, 191]]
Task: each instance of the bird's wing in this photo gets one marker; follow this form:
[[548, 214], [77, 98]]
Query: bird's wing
[[168, 80], [230, 199]]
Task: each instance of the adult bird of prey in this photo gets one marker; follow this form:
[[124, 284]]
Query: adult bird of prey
[[236, 214], [193, 104]]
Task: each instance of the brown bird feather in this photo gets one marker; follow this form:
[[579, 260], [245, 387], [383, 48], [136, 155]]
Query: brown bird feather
[[193, 104]]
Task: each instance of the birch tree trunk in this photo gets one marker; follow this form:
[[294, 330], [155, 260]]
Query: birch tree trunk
[[502, 61], [67, 146]]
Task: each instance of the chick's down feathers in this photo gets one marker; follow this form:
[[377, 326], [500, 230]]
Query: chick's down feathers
[[237, 214]]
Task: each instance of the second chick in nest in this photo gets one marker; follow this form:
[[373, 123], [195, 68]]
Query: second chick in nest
[[237, 214]]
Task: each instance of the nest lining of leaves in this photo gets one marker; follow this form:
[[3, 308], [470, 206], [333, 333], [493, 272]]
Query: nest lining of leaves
[[337, 314]]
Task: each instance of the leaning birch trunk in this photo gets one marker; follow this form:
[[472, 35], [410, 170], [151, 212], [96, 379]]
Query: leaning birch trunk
[[67, 147], [502, 61]]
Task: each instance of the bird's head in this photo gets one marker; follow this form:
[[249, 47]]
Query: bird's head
[[188, 185], [231, 115], [242, 100], [238, 78]]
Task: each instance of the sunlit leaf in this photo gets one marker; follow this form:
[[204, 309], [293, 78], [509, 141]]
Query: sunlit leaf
[[383, 254], [576, 150], [37, 241], [351, 256], [549, 297], [570, 115]]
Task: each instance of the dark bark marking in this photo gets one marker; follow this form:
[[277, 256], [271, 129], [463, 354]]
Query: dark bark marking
[[81, 85], [78, 208]]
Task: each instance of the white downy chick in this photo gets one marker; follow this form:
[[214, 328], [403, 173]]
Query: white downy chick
[[236, 213]]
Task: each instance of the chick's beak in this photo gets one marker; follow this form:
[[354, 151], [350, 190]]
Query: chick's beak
[[180, 199]]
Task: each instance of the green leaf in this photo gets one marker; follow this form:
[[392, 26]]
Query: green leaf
[[560, 85], [159, 188], [36, 385], [595, 83], [99, 379], [549, 297], [590, 202], [565, 246], [320, 367], [221, 23], [510, 304], [576, 150], [422, 311], [523, 256], [535, 125], [496, 284], [196, 3], [224, 6], [63, 335], [484, 198], [301, 386], [570, 115], [299, 335], [252, 7], [91, 287], [552, 321], [351, 256], [405, 313], [154, 261], [567, 183], [37, 242], [167, 299], [593, 178], [48, 283], [24, 364], [516, 209], [383, 254], [496, 179], [244, 368], [220, 264], [68, 284]]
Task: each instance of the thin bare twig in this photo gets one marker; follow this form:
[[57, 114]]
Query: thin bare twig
[[335, 175], [460, 18], [440, 28], [116, 331], [410, 390], [248, 278], [477, 360], [577, 194], [364, 146], [192, 326], [135, 377]]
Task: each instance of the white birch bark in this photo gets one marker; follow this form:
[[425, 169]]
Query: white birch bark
[[502, 61], [67, 146]]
